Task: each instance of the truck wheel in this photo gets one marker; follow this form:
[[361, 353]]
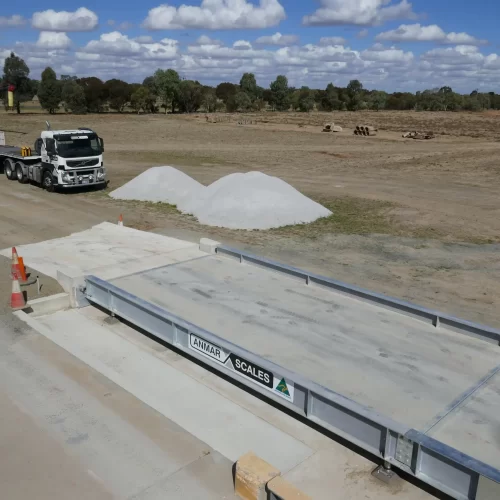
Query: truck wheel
[[23, 179], [47, 182], [9, 169]]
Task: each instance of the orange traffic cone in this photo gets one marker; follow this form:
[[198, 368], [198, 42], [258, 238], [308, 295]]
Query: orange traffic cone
[[17, 301], [120, 220], [22, 268], [15, 269]]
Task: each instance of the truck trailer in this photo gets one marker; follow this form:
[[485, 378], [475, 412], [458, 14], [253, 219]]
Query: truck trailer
[[60, 159]]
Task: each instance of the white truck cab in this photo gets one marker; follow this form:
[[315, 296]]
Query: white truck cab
[[62, 159], [72, 157]]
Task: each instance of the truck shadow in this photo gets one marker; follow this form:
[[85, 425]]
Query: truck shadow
[[83, 189]]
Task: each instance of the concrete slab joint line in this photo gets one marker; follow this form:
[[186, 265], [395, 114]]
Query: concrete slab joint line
[[280, 489], [251, 477]]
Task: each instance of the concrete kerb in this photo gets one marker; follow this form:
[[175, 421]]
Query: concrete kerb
[[49, 305]]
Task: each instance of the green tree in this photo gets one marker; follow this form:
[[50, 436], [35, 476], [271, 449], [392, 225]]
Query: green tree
[[16, 72], [150, 84], [329, 99], [49, 91], [190, 96], [209, 100], [242, 102], [118, 93], [95, 93], [280, 93], [73, 97], [305, 99], [248, 84], [140, 99], [226, 90], [377, 100], [167, 84], [355, 94]]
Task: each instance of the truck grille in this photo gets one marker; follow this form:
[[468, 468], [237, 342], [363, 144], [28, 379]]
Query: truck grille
[[86, 163], [84, 172]]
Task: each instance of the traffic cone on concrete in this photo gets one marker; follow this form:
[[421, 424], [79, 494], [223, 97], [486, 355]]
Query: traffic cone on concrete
[[17, 301], [15, 270], [120, 220]]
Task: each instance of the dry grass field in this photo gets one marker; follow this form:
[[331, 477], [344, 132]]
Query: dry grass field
[[416, 219]]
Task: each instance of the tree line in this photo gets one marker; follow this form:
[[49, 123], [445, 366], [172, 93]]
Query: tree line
[[166, 91]]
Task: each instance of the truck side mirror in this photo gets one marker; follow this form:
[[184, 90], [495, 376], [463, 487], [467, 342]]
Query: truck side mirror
[[50, 146], [101, 142]]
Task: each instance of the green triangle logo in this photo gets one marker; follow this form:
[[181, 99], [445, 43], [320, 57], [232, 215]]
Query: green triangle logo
[[283, 388]]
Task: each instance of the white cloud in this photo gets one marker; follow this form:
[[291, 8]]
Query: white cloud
[[431, 33], [117, 44], [359, 12], [143, 39], [12, 21], [216, 15], [332, 40], [241, 49], [53, 40], [277, 39], [206, 40], [363, 33], [242, 45], [114, 55], [391, 55], [82, 19], [462, 55]]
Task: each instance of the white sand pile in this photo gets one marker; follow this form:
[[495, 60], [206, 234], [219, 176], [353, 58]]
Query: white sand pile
[[159, 184], [252, 201], [237, 201]]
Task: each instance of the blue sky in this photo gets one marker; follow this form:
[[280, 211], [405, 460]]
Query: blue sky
[[387, 44]]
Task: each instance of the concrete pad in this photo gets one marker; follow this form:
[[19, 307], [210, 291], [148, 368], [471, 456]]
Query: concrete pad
[[208, 478], [329, 475], [210, 417], [251, 477], [103, 246], [113, 442], [34, 465]]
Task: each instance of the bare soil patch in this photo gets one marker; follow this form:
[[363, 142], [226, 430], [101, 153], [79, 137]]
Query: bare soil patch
[[415, 219]]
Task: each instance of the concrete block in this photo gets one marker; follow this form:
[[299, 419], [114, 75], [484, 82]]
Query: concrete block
[[251, 477], [72, 280], [208, 246], [280, 489], [49, 305]]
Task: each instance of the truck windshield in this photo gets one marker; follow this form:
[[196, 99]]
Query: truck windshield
[[76, 146]]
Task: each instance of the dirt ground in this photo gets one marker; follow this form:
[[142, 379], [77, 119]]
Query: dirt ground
[[419, 220]]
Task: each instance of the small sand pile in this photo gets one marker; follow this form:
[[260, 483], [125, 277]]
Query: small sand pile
[[252, 201], [236, 201], [159, 184]]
